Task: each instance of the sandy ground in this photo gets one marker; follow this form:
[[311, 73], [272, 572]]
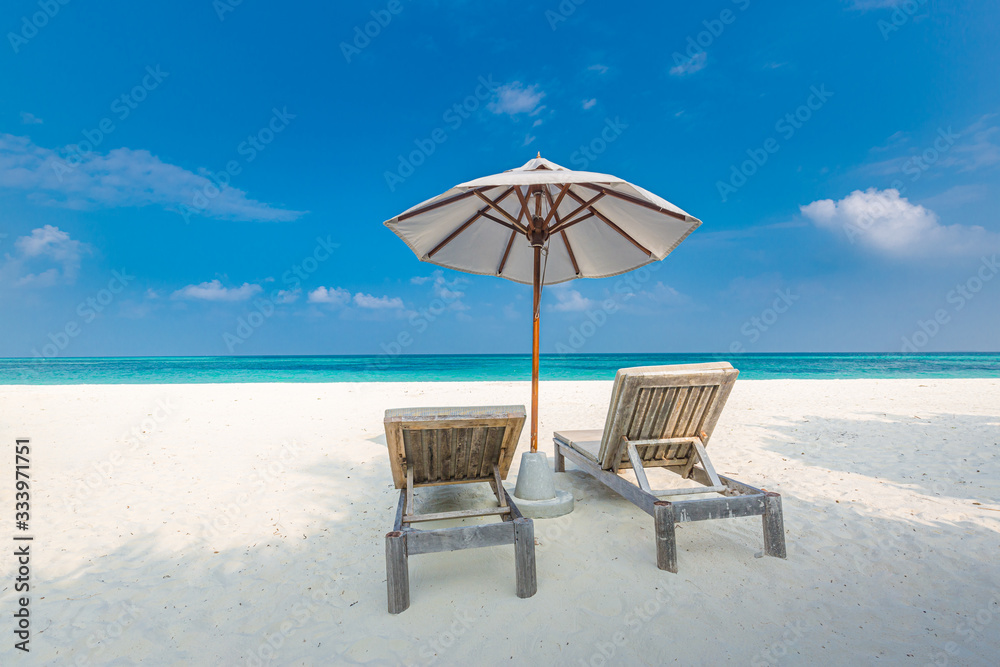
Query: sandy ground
[[244, 524]]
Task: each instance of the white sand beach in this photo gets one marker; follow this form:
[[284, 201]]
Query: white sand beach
[[243, 524]]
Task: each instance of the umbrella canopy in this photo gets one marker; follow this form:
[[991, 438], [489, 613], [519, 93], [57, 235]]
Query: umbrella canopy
[[543, 224]]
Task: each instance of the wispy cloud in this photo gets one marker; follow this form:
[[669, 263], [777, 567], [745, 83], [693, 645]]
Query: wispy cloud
[[589, 104], [515, 98], [570, 301], [974, 147], [334, 296], [694, 64], [215, 291], [377, 302], [31, 263], [886, 223], [865, 5], [28, 118], [122, 177], [600, 69]]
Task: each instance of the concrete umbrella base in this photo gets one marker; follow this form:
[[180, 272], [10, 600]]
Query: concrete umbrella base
[[535, 493]]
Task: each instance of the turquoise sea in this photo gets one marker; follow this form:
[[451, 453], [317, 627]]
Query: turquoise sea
[[463, 368]]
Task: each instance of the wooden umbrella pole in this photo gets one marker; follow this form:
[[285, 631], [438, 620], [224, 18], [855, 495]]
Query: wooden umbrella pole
[[534, 347]]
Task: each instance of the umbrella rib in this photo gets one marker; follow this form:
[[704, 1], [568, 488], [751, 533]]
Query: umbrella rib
[[443, 202], [572, 257], [554, 211], [568, 220], [554, 206], [506, 253], [495, 205], [566, 225], [465, 225], [461, 228], [634, 200], [605, 220], [499, 221]]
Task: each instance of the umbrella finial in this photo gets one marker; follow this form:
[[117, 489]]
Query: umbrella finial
[[539, 155]]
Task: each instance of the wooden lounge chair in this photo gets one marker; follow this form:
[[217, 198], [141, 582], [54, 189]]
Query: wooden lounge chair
[[437, 446], [663, 416]]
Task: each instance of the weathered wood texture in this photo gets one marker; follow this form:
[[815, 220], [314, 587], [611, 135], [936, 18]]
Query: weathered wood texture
[[664, 417], [524, 557], [774, 526], [459, 537], [650, 404], [666, 538], [435, 446], [397, 574], [452, 445]]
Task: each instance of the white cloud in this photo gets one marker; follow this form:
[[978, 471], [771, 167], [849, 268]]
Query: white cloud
[[529, 139], [589, 104], [335, 296], [666, 295], [695, 64], [215, 291], [570, 300], [516, 98], [600, 69], [122, 177], [28, 118], [152, 294], [865, 5], [288, 296], [886, 223], [377, 302], [42, 247]]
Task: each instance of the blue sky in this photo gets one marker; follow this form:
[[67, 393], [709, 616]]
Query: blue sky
[[843, 156]]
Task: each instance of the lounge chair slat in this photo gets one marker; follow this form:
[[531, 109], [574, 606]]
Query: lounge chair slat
[[664, 417], [445, 446]]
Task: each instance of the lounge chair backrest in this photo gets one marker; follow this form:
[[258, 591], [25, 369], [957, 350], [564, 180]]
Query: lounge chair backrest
[[452, 445], [661, 402]]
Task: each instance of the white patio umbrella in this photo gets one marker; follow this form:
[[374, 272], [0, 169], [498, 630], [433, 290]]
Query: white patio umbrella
[[542, 224]]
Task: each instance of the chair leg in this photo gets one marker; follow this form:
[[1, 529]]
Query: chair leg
[[524, 557], [397, 575], [560, 460], [666, 539], [774, 526]]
